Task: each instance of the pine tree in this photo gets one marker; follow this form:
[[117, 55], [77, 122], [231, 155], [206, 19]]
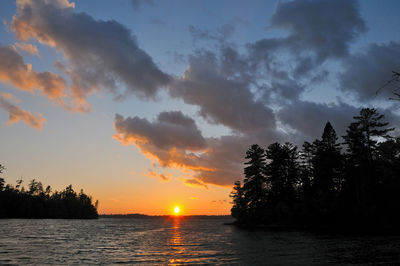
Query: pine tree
[[362, 143], [239, 208], [254, 182], [327, 162], [283, 174], [370, 124], [2, 181]]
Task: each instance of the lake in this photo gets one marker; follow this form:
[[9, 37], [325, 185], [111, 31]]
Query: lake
[[191, 240]]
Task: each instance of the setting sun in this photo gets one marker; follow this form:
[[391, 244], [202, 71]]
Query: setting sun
[[177, 210]]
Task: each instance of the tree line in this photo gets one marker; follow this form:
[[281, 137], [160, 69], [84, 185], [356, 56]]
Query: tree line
[[325, 183], [35, 201]]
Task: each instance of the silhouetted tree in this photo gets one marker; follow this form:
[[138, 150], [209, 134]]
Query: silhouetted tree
[[254, 182], [2, 181], [35, 187], [283, 178], [327, 164], [361, 139], [306, 156], [320, 186], [239, 207], [37, 203]]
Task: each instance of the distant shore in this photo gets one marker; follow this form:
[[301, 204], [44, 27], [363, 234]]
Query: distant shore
[[138, 215], [337, 229]]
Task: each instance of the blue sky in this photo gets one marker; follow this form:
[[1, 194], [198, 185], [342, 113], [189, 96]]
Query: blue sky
[[194, 83]]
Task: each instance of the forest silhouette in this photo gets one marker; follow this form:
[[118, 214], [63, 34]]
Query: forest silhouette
[[354, 184], [36, 202]]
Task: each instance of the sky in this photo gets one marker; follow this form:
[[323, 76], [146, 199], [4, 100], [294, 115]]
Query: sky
[[148, 104]]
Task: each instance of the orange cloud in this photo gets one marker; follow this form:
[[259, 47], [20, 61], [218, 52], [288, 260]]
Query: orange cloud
[[173, 140], [90, 67], [195, 183], [27, 47], [153, 174], [9, 96], [16, 114], [14, 71]]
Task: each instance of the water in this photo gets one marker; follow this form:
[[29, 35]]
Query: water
[[182, 241]]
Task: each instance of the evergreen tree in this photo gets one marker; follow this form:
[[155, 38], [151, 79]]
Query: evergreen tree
[[283, 177], [37, 203], [325, 187], [306, 156], [327, 164], [239, 207], [254, 182], [361, 139], [2, 181], [327, 161], [370, 123]]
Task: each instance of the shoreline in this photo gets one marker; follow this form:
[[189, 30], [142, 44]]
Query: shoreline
[[365, 230]]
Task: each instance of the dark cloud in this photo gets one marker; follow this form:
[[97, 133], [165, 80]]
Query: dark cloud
[[221, 99], [323, 27], [365, 73], [173, 140], [221, 34], [309, 118], [316, 31], [16, 113], [169, 130], [100, 53]]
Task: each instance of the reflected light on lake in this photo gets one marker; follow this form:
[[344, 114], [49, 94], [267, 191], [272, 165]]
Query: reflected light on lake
[[176, 241], [183, 241]]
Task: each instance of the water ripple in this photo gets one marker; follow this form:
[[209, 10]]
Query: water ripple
[[182, 241]]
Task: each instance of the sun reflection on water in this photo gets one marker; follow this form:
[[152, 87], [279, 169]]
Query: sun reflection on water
[[176, 241]]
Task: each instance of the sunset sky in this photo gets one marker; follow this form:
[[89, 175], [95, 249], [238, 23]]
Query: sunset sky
[[149, 104]]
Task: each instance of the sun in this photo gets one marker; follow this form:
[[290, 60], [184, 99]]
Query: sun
[[177, 210]]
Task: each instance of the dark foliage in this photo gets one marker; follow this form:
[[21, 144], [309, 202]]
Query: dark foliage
[[323, 185], [36, 202]]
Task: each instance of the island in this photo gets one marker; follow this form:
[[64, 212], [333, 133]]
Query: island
[[350, 185], [37, 202]]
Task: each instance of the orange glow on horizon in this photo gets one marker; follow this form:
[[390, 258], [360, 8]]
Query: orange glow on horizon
[[177, 210]]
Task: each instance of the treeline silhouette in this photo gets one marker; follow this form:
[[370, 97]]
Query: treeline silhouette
[[36, 202], [354, 184]]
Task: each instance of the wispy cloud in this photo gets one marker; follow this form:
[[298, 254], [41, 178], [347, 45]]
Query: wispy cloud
[[16, 113], [27, 47]]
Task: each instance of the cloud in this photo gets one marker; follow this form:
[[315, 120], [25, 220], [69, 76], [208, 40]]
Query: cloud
[[100, 54], [366, 72], [27, 47], [10, 97], [153, 174], [309, 118], [16, 113], [323, 27], [315, 32], [14, 71], [220, 202], [137, 4], [173, 140], [169, 130], [222, 98], [195, 183]]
